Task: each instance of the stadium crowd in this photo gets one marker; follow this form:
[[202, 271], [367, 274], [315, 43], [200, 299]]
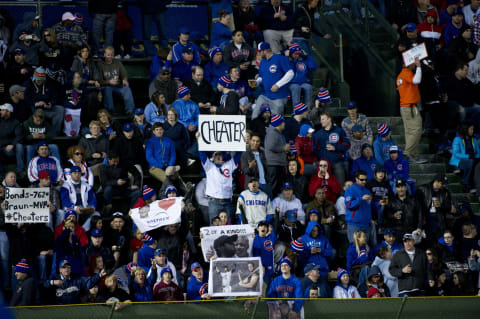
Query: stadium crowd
[[334, 201]]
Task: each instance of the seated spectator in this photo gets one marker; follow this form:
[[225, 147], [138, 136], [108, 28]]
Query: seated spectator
[[304, 66], [21, 110], [375, 280], [197, 286], [201, 90], [178, 133], [109, 127], [287, 285], [382, 261], [159, 62], [36, 130], [156, 110], [397, 167], [31, 24], [75, 99], [448, 249], [239, 54], [460, 285], [90, 110], [216, 67], [331, 143], [277, 24], [187, 110], [76, 156], [304, 146], [113, 292], [97, 247], [166, 289], [130, 147], [313, 280], [31, 44], [83, 64], [344, 289], [298, 180], [44, 162], [68, 288], [115, 181], [462, 48], [293, 124], [254, 205], [240, 86], [160, 153], [357, 142], [182, 70], [78, 196], [452, 29], [325, 211], [221, 34], [287, 201], [275, 88], [366, 162], [326, 180], [57, 59], [183, 42], [262, 122], [359, 254], [474, 265], [229, 100], [355, 118], [11, 137], [382, 143], [164, 83], [431, 31], [141, 286], [18, 70], [142, 129], [114, 79], [40, 93], [96, 147], [469, 240], [69, 35], [461, 99], [26, 290]]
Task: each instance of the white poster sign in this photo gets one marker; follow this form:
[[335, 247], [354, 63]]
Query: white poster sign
[[227, 241], [419, 51], [159, 213], [27, 205], [222, 133], [230, 277]]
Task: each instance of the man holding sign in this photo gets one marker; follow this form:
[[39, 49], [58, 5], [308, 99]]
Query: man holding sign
[[407, 84]]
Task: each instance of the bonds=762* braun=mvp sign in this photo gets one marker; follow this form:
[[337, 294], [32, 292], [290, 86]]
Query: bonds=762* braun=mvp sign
[[27, 205]]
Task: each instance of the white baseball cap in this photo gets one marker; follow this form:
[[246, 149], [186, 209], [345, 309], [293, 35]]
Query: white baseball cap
[[7, 107], [68, 16]]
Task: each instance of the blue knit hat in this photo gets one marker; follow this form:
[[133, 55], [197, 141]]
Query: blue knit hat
[[22, 267], [70, 212], [169, 189], [75, 169], [324, 96], [147, 192], [383, 130], [341, 272], [300, 108], [276, 120], [294, 48], [225, 81], [182, 91], [297, 245], [147, 239], [287, 261], [265, 108], [41, 143], [214, 51]]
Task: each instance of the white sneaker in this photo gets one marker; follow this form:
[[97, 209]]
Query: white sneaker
[[128, 56], [118, 56]]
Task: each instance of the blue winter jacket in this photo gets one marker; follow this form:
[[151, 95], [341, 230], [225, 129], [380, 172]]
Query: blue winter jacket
[[287, 288], [188, 112], [144, 293], [303, 68], [263, 248], [320, 241], [177, 50], [145, 256], [182, 70], [215, 71], [394, 248], [459, 152], [335, 136], [381, 149], [195, 288], [398, 169], [220, 34], [160, 152], [359, 211], [450, 32], [354, 258], [367, 165]]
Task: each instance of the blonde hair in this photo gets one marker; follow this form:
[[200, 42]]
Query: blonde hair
[[356, 240]]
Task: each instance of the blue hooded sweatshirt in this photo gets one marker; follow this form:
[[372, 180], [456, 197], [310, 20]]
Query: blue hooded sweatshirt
[[381, 149], [287, 288], [354, 258], [335, 136], [144, 293], [215, 71], [303, 68], [359, 211], [263, 247], [398, 169], [310, 242], [145, 256], [160, 152], [195, 288], [367, 165], [220, 34]]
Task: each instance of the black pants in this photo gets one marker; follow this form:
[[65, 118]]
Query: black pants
[[276, 175]]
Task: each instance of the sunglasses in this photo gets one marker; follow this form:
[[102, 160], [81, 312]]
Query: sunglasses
[[323, 165], [362, 179], [429, 254], [78, 153]]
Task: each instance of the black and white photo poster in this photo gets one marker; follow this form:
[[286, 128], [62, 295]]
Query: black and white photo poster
[[230, 241], [235, 277]]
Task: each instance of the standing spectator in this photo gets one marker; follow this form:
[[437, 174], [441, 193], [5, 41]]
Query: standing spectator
[[407, 84], [25, 291], [471, 12], [299, 182], [160, 152], [358, 203], [167, 290], [216, 67], [197, 286], [254, 164], [397, 167], [18, 70], [304, 25], [274, 74], [277, 24], [21, 110], [69, 35], [460, 92], [254, 205], [201, 90], [246, 21], [75, 99], [40, 93], [221, 34], [447, 12], [287, 285], [263, 246], [355, 118], [314, 279], [401, 13], [154, 13], [31, 24], [382, 143], [286, 201], [365, 162], [182, 70], [130, 148], [114, 78], [187, 110], [260, 125], [322, 101], [177, 49], [123, 32], [239, 54], [462, 48], [326, 180], [179, 135], [141, 286], [164, 83], [113, 291], [331, 143], [303, 65], [31, 45], [104, 15], [275, 152], [381, 192], [11, 137], [326, 212], [452, 29], [44, 162], [383, 261], [293, 124], [409, 265]]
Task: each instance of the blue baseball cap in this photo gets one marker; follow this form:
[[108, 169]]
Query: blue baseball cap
[[411, 27], [75, 169], [309, 267], [138, 111], [160, 251], [195, 265], [127, 127], [352, 105], [291, 215], [357, 128], [63, 263], [287, 185], [164, 270], [263, 46], [97, 233], [388, 232]]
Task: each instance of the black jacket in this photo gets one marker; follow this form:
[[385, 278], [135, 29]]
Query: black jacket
[[300, 186], [420, 271], [401, 12], [109, 175], [259, 127], [412, 216], [94, 145], [103, 7], [252, 172], [424, 196], [25, 293], [304, 17], [201, 93], [11, 133], [286, 235], [229, 105], [131, 151]]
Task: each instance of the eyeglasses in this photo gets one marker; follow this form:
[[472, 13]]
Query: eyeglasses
[[429, 254], [78, 153]]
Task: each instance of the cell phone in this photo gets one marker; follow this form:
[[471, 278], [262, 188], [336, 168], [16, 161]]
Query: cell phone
[[29, 37]]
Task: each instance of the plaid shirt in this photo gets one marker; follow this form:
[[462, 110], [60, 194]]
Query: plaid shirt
[[476, 32], [73, 35]]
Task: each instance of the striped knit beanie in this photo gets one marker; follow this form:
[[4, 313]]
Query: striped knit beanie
[[39, 74], [225, 81], [324, 96], [294, 48], [276, 120], [297, 245], [22, 267], [182, 91], [148, 192], [300, 108], [383, 130]]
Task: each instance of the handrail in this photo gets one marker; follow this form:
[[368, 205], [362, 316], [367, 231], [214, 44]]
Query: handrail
[[380, 19]]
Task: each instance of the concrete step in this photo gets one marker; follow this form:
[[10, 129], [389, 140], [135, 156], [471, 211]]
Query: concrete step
[[390, 120], [465, 197], [424, 178], [433, 168], [422, 148]]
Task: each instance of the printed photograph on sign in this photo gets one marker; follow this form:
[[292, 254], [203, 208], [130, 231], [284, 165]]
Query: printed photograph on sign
[[159, 213], [231, 241], [221, 133], [419, 51], [235, 277], [27, 205]]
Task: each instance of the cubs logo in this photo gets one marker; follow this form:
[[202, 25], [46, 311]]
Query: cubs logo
[[268, 245], [400, 167], [226, 173], [272, 68], [301, 66], [285, 294], [348, 198], [333, 138]]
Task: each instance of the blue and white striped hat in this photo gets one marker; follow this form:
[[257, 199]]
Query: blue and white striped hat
[[182, 91], [300, 108]]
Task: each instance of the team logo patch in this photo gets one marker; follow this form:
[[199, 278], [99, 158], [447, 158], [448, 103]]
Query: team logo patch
[[301, 66], [400, 167], [272, 68], [333, 138], [268, 245], [348, 198], [226, 172]]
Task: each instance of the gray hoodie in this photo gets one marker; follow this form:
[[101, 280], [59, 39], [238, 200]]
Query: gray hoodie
[[274, 143]]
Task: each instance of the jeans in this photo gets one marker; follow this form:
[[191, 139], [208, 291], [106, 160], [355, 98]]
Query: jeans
[[103, 23], [19, 154], [42, 267], [296, 91], [466, 165], [124, 92], [340, 170], [277, 105], [351, 229], [160, 20], [217, 205], [274, 37], [4, 254], [32, 151], [55, 115], [110, 191]]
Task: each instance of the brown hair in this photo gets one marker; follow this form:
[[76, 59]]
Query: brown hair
[[154, 99], [73, 149], [109, 116], [174, 112]]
